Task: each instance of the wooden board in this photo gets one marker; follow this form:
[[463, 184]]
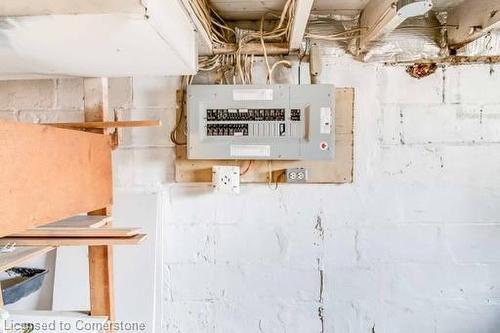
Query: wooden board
[[50, 174], [108, 124], [21, 255], [73, 241], [80, 221], [78, 232], [338, 171]]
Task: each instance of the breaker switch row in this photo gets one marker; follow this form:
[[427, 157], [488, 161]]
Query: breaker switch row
[[227, 129]]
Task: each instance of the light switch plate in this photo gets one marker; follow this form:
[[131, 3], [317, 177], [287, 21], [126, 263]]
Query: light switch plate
[[226, 179]]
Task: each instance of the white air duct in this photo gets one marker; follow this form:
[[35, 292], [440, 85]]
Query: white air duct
[[412, 8]]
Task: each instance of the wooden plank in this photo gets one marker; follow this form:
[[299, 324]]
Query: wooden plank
[[102, 301], [51, 174], [73, 241], [472, 19], [300, 19], [21, 255], [108, 124], [67, 232], [96, 100], [339, 170], [80, 221]]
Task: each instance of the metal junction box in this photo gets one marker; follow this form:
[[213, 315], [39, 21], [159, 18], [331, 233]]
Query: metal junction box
[[261, 122]]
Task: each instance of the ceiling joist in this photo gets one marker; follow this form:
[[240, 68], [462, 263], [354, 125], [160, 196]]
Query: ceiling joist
[[300, 19], [471, 20]]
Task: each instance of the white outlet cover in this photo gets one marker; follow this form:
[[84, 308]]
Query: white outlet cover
[[226, 179]]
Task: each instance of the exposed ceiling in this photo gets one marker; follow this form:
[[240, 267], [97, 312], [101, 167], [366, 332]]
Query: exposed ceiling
[[254, 9]]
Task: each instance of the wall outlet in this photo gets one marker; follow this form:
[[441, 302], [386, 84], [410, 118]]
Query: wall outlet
[[226, 179], [296, 175]]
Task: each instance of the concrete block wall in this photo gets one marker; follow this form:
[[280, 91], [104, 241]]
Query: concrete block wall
[[410, 246]]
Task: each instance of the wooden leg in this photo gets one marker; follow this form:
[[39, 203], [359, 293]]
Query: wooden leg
[[1, 296], [101, 277]]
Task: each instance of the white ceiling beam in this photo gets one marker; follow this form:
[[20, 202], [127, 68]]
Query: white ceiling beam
[[300, 19], [473, 19], [203, 39], [381, 17]]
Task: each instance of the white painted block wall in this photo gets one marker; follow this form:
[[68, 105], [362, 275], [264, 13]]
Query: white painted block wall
[[411, 246]]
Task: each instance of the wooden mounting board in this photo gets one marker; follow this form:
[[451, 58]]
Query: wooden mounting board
[[338, 171], [66, 232], [73, 241], [80, 221], [50, 174], [21, 255]]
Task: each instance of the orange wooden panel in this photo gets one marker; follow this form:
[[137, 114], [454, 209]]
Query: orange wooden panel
[[48, 174]]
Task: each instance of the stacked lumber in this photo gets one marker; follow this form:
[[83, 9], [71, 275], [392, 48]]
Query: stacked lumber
[[76, 231]]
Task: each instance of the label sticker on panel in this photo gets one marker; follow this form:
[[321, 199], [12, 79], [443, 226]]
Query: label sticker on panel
[[252, 94], [250, 150], [325, 121]]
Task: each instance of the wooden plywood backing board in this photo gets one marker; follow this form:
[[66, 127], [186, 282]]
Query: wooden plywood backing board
[[50, 174], [337, 171]]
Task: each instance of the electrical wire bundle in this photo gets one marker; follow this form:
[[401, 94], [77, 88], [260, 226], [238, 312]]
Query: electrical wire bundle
[[237, 67]]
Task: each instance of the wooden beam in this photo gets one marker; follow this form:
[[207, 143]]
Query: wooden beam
[[74, 241], [102, 298], [108, 124], [300, 19], [471, 20], [255, 48], [96, 100], [69, 232], [50, 174], [21, 255]]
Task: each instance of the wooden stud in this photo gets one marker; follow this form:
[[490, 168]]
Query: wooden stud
[[300, 19], [471, 20], [102, 301], [96, 100]]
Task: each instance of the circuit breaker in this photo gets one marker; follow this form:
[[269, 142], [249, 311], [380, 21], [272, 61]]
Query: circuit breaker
[[261, 122]]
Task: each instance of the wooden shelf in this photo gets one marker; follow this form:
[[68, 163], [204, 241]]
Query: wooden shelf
[[80, 221], [73, 241]]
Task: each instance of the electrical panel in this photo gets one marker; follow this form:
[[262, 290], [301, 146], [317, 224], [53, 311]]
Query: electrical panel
[[261, 122]]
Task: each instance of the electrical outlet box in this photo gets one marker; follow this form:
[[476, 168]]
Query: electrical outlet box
[[226, 179], [296, 175], [261, 122]]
